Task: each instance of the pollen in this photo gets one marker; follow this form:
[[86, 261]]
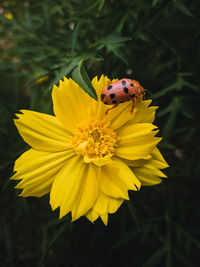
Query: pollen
[[94, 139]]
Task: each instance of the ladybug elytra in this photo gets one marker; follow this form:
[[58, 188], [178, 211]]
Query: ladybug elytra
[[121, 91]]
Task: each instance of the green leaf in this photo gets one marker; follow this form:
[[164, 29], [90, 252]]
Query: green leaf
[[125, 239], [182, 8], [101, 4], [155, 259], [8, 242], [164, 66], [122, 22], [154, 2], [164, 91], [169, 125], [29, 23], [63, 72], [112, 38], [134, 215], [46, 16], [79, 75], [75, 35]]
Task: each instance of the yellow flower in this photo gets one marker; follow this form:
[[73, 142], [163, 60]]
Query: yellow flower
[[42, 79], [9, 16], [82, 156]]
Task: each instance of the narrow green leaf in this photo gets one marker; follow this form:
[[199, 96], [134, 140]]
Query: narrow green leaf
[[165, 110], [182, 8], [186, 234], [8, 243], [133, 213], [125, 239], [164, 66], [58, 233], [112, 38], [101, 4], [191, 86], [120, 54], [80, 76], [34, 98], [44, 246], [155, 259], [186, 109], [122, 22], [46, 16], [182, 258], [28, 17], [168, 129], [62, 73], [154, 2], [164, 91], [75, 35]]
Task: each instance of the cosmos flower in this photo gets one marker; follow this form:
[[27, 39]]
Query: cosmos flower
[[42, 79], [9, 16], [86, 160]]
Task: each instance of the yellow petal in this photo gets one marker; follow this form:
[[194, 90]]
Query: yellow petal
[[71, 104], [148, 171], [135, 131], [98, 161], [37, 190], [114, 204], [117, 178], [144, 113], [136, 141], [147, 176], [37, 169], [104, 218], [155, 160], [42, 131], [92, 215], [88, 193], [103, 205], [150, 116], [71, 190], [121, 115]]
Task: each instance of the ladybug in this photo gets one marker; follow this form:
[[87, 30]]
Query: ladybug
[[121, 91]]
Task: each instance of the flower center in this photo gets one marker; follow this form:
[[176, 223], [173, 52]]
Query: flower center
[[94, 139]]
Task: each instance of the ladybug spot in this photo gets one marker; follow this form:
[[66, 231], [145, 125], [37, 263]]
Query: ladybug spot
[[114, 102], [109, 87], [105, 103], [133, 95], [125, 90], [123, 82], [112, 96], [121, 101], [131, 84], [102, 96]]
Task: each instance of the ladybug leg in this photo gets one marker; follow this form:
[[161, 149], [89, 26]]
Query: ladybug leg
[[111, 108], [133, 100]]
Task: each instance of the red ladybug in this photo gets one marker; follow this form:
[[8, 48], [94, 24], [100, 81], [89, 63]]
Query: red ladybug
[[121, 91]]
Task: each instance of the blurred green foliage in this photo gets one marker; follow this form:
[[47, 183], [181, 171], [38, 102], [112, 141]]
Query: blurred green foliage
[[153, 41]]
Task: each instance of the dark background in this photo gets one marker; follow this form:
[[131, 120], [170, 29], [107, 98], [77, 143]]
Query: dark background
[[156, 42]]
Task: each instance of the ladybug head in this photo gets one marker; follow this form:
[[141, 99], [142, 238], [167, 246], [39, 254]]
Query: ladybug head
[[139, 90]]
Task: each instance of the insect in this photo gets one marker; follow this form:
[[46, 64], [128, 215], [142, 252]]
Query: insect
[[122, 91]]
